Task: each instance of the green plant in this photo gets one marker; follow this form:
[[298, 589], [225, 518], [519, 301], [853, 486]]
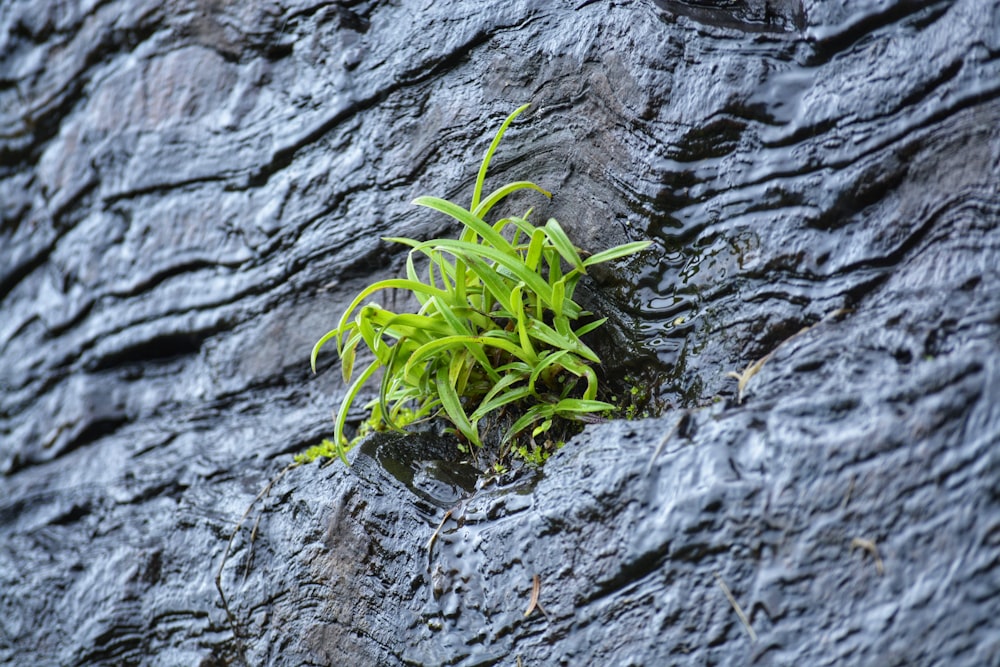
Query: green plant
[[494, 331], [536, 455]]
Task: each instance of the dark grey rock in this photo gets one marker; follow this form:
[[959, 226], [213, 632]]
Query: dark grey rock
[[190, 192]]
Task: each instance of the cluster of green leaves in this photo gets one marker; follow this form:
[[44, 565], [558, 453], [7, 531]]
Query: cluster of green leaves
[[495, 330]]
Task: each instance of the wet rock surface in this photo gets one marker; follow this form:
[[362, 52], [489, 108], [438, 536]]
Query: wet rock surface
[[192, 191]]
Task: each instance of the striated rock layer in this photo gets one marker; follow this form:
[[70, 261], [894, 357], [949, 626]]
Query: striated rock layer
[[191, 191]]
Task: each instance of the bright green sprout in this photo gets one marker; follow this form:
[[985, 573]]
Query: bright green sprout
[[536, 455], [494, 331]]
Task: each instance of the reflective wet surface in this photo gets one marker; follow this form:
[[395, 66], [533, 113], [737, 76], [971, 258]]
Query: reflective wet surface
[[192, 192]]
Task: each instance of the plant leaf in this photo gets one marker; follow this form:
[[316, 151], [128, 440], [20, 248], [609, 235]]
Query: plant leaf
[[347, 355], [563, 244], [481, 176], [391, 283], [457, 375], [345, 405], [498, 195], [569, 406], [543, 332], [616, 252], [490, 235], [329, 335], [587, 328], [452, 405], [455, 324], [558, 297], [514, 264], [533, 414], [534, 255], [492, 281], [385, 387], [492, 403], [520, 321], [401, 325], [546, 362], [441, 344]]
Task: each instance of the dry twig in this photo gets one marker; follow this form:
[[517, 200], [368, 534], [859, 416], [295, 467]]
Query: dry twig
[[744, 378], [430, 542], [736, 607], [229, 547], [869, 546], [663, 443], [536, 588]]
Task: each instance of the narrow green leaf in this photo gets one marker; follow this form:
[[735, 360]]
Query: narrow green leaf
[[563, 244], [616, 252], [481, 176], [591, 392], [512, 263], [327, 337], [385, 386], [498, 195], [558, 297], [538, 430], [402, 239], [552, 259], [455, 324], [479, 354], [504, 223], [562, 327], [494, 284], [345, 405], [411, 274], [457, 375], [372, 335], [579, 368], [547, 362], [496, 402], [484, 230], [452, 405], [400, 325], [392, 283], [518, 369], [535, 249], [520, 321], [500, 387], [460, 281], [587, 328], [543, 332], [347, 355], [521, 224], [445, 270], [533, 414], [580, 406], [435, 347]]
